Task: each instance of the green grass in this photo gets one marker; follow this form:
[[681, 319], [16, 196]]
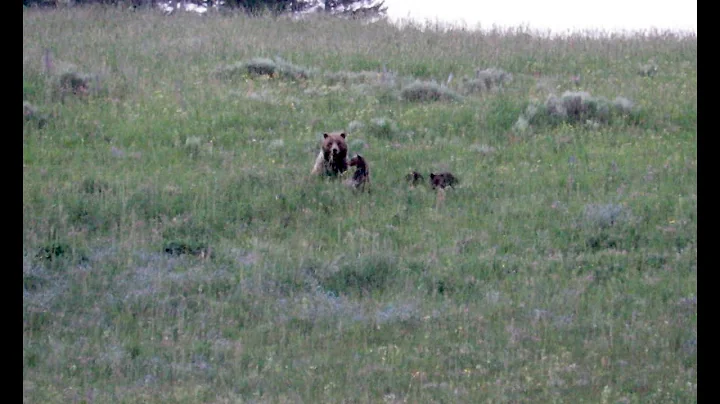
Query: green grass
[[175, 248]]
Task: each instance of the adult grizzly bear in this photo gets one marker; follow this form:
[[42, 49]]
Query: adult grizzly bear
[[332, 159]]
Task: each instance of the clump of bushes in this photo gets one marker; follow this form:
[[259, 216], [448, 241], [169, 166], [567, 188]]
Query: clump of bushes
[[486, 80], [573, 108], [69, 80], [382, 128], [75, 82], [605, 215], [275, 68], [424, 91], [609, 225], [383, 92]]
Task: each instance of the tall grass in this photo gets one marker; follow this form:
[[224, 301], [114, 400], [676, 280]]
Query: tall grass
[[175, 248]]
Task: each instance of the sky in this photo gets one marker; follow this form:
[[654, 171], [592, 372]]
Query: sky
[[557, 16]]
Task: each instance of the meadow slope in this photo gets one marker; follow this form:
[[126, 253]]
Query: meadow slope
[[175, 249]]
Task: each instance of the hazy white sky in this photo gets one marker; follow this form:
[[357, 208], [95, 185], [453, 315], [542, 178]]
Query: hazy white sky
[[555, 15]]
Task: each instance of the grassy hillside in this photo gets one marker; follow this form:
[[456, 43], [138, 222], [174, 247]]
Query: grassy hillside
[[175, 248]]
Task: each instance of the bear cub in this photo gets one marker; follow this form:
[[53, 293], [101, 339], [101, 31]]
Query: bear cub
[[442, 180], [332, 159], [361, 176], [414, 178]]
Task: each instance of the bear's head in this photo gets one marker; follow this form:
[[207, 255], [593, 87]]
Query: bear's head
[[334, 147]]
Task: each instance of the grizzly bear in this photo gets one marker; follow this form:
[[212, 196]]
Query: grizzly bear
[[442, 180], [332, 159], [414, 178], [361, 176]]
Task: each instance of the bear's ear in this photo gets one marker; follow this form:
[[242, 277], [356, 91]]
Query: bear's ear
[[432, 175], [343, 134], [325, 135]]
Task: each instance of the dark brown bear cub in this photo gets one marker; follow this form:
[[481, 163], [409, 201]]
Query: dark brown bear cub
[[442, 180], [361, 176], [332, 159]]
